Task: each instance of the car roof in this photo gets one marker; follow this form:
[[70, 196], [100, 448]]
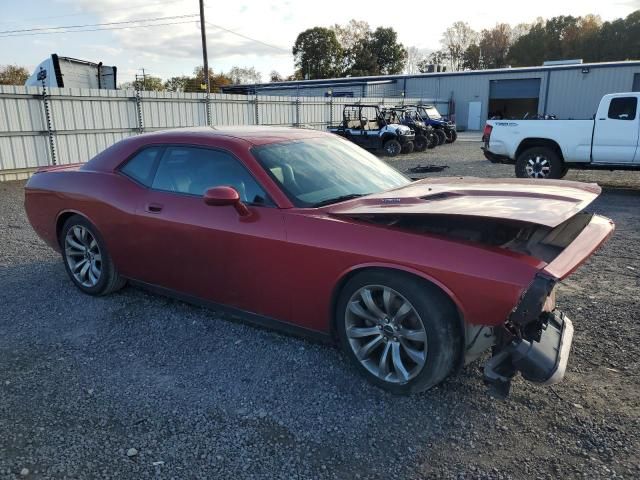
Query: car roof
[[255, 135]]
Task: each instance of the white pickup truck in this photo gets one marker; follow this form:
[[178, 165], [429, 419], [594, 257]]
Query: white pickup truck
[[549, 148]]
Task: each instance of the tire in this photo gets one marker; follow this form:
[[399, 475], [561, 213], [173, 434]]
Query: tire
[[539, 162], [420, 143], [442, 137], [452, 136], [392, 147], [430, 320], [80, 242], [408, 147], [433, 141]]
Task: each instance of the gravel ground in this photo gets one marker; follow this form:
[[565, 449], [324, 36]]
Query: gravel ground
[[140, 386]]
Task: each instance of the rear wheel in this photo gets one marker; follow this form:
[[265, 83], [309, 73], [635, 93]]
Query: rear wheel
[[408, 147], [86, 258], [392, 147], [400, 332], [442, 137], [539, 162], [420, 143]]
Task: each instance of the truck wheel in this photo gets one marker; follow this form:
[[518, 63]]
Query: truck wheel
[[400, 332], [420, 143], [539, 162], [408, 147], [392, 147], [442, 137], [452, 135]]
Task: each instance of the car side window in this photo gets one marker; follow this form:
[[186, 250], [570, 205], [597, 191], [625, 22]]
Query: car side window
[[194, 170], [623, 108], [141, 166]]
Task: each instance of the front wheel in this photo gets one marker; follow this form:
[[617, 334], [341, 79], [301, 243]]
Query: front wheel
[[420, 143], [392, 147], [433, 141], [539, 162], [408, 147], [86, 258], [442, 137], [452, 136], [400, 332]]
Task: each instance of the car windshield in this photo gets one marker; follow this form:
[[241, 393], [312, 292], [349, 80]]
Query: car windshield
[[320, 171]]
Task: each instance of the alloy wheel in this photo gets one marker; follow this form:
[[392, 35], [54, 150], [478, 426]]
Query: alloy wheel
[[538, 167], [83, 256], [392, 148], [386, 333]]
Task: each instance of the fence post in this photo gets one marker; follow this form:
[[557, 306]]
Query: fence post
[[330, 108], [139, 107], [297, 124], [256, 110], [42, 75], [207, 101]]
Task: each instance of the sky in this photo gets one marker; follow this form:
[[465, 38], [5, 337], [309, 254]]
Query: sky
[[168, 50]]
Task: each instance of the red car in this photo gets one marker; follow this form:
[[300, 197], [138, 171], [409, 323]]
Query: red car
[[304, 230]]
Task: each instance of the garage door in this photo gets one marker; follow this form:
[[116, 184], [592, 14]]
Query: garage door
[[521, 88]]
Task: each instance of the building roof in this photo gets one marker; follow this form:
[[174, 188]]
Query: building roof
[[352, 81]]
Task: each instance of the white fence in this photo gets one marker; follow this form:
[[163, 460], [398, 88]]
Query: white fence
[[70, 125]]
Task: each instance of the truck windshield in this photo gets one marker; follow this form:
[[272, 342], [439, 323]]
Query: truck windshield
[[320, 171]]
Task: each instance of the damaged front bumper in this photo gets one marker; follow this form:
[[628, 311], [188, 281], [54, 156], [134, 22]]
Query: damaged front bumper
[[535, 341], [542, 360]]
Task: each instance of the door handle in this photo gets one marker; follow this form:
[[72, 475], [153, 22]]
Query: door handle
[[154, 208], [602, 119]]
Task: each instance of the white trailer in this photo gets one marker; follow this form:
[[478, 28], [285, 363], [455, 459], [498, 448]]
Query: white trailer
[[71, 72]]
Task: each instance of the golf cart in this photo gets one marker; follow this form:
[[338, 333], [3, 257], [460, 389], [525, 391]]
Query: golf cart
[[366, 126]]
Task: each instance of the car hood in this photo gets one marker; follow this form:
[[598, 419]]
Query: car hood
[[542, 202]]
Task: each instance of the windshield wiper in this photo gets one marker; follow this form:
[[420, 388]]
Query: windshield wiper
[[341, 198]]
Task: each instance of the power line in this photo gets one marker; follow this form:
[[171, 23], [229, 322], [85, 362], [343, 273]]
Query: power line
[[133, 7], [249, 38], [97, 29], [98, 24]]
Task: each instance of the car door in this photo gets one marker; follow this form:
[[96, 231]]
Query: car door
[[210, 252], [615, 136]]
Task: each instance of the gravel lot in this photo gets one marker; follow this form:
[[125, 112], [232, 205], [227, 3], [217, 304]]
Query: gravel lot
[[83, 380]]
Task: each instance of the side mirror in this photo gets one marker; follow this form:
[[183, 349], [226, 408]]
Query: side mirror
[[225, 196]]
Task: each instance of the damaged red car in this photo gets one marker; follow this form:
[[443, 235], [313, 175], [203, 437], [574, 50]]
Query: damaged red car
[[305, 231]]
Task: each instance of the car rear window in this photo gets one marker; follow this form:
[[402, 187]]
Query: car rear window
[[141, 167]]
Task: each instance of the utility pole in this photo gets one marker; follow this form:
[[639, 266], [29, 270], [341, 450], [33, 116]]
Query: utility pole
[[204, 47]]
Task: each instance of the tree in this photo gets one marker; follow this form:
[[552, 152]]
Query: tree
[[197, 82], [455, 41], [274, 76], [361, 60], [240, 75], [390, 54], [13, 75], [494, 45], [318, 53], [471, 59], [414, 57], [350, 34], [177, 84], [152, 84]]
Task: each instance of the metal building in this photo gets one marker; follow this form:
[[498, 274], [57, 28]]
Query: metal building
[[566, 90]]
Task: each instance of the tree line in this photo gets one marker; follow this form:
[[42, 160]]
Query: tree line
[[558, 38]]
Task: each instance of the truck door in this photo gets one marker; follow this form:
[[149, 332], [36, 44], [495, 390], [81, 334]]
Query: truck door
[[615, 136]]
